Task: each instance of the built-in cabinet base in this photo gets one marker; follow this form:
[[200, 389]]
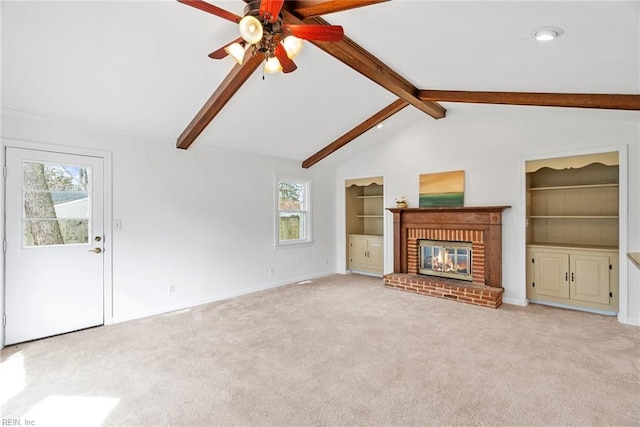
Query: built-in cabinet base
[[366, 254], [585, 278]]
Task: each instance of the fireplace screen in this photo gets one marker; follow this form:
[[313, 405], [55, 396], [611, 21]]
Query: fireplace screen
[[445, 259]]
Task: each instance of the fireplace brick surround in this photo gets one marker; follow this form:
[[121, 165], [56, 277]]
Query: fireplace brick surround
[[482, 226]]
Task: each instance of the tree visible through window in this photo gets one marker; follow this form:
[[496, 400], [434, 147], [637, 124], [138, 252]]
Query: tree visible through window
[[56, 204], [293, 211]]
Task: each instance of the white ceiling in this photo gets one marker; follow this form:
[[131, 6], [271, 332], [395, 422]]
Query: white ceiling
[[142, 66]]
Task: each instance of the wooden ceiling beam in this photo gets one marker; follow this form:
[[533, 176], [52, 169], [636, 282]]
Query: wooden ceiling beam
[[371, 122], [571, 100], [354, 56], [229, 86], [308, 8]]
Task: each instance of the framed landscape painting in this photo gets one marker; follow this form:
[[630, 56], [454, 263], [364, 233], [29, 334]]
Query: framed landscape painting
[[442, 189]]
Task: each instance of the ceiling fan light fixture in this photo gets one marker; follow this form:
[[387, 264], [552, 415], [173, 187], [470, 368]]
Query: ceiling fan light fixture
[[250, 29], [272, 65], [292, 45], [236, 51], [545, 34]]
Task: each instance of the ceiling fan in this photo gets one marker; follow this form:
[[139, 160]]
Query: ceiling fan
[[266, 30], [262, 32]]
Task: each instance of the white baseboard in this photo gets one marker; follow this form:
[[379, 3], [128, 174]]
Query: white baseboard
[[220, 297], [573, 307], [629, 321], [515, 301]]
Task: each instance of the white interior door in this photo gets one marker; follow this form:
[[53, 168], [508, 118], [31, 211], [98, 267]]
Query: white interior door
[[55, 239]]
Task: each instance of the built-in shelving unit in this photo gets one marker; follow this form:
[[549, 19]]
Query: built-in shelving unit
[[365, 206], [572, 231], [573, 205], [365, 224]]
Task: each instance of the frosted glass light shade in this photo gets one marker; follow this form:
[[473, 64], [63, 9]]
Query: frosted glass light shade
[[545, 34], [293, 46], [236, 51], [272, 65], [250, 29]]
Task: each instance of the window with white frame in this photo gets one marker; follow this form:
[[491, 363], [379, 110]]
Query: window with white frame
[[293, 217]]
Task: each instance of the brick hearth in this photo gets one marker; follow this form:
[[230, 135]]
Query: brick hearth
[[458, 290], [482, 226]]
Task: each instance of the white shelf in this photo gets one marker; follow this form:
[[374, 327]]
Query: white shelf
[[378, 196], [572, 246], [370, 216], [573, 187], [574, 217]]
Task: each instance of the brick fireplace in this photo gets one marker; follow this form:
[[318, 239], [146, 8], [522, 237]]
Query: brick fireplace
[[481, 226]]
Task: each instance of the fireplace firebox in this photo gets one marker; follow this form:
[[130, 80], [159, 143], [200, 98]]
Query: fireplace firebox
[[445, 259]]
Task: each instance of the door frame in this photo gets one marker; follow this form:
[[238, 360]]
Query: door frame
[[108, 217], [623, 245]]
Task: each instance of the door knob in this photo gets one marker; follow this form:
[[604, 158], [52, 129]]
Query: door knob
[[96, 250]]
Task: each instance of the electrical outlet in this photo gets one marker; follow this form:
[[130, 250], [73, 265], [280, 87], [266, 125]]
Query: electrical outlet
[[272, 271], [172, 289]]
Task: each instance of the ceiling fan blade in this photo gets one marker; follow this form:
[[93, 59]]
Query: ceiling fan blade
[[288, 65], [215, 10], [308, 8], [270, 9], [221, 53], [323, 33]]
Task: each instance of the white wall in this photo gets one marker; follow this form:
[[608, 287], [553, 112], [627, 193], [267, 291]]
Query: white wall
[[201, 219], [490, 143]]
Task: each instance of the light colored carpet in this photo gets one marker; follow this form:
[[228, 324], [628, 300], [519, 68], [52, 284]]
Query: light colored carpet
[[342, 350]]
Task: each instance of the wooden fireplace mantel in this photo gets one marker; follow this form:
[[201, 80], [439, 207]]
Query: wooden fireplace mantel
[[486, 219]]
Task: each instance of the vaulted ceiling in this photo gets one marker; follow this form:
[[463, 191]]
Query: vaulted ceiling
[[142, 67]]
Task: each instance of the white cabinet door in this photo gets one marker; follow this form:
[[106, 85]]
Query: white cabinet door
[[376, 254], [358, 252], [590, 278], [551, 274]]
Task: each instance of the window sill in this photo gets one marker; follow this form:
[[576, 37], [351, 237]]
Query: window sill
[[294, 244]]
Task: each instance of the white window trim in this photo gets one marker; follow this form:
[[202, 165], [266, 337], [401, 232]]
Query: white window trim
[[308, 223]]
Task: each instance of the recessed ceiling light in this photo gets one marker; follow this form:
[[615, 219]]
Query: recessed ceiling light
[[545, 34]]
